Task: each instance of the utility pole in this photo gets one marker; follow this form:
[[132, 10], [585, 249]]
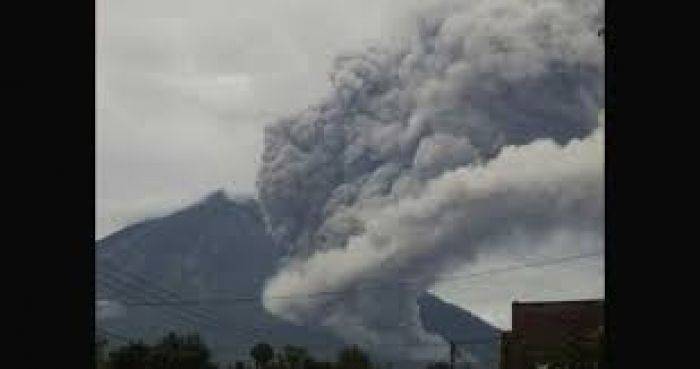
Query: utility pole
[[453, 350]]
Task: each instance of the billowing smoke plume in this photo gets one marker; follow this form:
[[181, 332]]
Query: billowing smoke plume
[[481, 133]]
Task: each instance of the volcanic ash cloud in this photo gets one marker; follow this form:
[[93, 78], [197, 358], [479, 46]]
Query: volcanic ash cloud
[[428, 154]]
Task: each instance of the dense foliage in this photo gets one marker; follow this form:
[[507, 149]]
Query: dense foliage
[[171, 352], [189, 352]]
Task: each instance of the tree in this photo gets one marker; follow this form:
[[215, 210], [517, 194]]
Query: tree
[[131, 356], [295, 356], [353, 357], [262, 353], [100, 345], [439, 365], [186, 351], [311, 363], [172, 352]]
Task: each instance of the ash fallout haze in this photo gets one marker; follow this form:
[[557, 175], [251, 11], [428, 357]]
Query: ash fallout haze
[[388, 143]]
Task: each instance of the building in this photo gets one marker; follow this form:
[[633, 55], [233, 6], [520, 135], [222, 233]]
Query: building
[[560, 334]]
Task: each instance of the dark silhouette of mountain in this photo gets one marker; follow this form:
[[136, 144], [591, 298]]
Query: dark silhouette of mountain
[[468, 332], [203, 269]]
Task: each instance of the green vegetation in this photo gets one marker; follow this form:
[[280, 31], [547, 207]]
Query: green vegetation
[[171, 352], [189, 352], [353, 358], [262, 353], [439, 365]]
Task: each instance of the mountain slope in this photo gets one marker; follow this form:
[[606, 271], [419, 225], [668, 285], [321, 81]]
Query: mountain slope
[[188, 271], [469, 333]]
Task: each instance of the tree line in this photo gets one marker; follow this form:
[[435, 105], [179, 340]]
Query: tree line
[[170, 352], [189, 352]]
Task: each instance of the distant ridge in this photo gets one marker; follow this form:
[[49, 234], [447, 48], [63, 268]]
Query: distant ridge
[[217, 248]]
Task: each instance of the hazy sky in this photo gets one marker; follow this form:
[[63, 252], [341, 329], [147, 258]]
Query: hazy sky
[[184, 89]]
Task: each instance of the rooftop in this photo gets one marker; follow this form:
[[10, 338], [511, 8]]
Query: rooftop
[[568, 302]]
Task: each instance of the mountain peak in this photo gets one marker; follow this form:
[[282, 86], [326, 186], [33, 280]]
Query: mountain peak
[[223, 197], [219, 248], [217, 196]]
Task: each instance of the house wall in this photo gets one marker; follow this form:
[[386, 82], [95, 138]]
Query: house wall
[[541, 331]]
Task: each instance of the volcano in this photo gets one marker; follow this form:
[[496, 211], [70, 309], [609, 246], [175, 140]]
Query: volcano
[[203, 269]]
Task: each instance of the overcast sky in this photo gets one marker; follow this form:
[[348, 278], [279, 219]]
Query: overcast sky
[[184, 89]]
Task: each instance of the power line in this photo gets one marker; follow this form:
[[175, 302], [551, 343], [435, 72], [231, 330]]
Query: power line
[[117, 336], [119, 285], [163, 318], [392, 344], [446, 277], [146, 282], [465, 341], [142, 283], [546, 262], [181, 315], [258, 329], [483, 340], [187, 322]]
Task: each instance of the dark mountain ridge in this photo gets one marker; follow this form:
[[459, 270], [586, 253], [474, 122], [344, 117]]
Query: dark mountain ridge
[[203, 269]]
